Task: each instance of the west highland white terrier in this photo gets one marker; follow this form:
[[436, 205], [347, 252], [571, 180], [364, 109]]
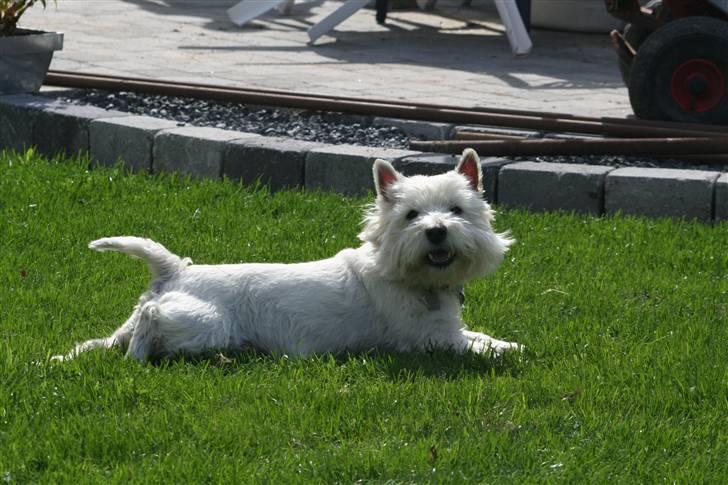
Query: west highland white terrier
[[423, 239]]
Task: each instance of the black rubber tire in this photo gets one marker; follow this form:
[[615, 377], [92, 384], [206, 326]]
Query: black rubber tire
[[636, 35], [676, 42]]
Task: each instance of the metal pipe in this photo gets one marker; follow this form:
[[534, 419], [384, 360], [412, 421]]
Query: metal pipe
[[537, 121], [66, 76], [480, 136], [658, 147], [60, 76], [697, 127]]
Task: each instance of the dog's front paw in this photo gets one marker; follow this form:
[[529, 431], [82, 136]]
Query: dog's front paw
[[484, 344], [500, 346]]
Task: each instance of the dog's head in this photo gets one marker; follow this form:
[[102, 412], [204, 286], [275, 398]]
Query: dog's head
[[433, 231]]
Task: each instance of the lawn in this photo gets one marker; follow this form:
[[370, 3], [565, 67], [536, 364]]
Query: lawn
[[625, 376]]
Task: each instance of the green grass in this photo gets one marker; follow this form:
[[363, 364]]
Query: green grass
[[625, 377]]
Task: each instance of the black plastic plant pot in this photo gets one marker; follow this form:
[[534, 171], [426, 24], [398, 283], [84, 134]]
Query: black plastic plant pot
[[24, 60]]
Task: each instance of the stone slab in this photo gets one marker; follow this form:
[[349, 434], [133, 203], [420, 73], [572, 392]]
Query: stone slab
[[128, 139], [16, 122], [553, 186], [661, 192], [419, 129], [426, 164], [491, 167], [436, 163], [721, 198], [193, 151], [276, 162], [53, 127], [63, 129], [346, 168]]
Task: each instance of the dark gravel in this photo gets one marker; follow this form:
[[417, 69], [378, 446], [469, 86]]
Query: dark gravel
[[331, 128], [334, 128]]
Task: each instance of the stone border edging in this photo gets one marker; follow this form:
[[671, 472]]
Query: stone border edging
[[157, 145]]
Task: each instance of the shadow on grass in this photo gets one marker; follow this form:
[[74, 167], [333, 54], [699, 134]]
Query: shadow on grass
[[447, 365], [394, 365]]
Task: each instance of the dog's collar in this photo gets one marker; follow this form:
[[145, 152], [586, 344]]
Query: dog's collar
[[431, 299]]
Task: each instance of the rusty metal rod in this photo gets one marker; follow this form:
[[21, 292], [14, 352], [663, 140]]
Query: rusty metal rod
[[698, 127], [657, 147], [480, 136], [365, 107], [709, 129], [62, 76]]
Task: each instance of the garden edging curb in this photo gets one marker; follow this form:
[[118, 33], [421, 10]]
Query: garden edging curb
[[156, 145]]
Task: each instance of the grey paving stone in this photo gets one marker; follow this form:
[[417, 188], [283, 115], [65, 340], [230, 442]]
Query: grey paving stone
[[658, 192], [276, 162], [435, 163], [346, 168], [53, 127], [193, 150], [63, 129], [424, 129], [129, 139], [553, 186], [426, 163], [16, 122], [721, 198]]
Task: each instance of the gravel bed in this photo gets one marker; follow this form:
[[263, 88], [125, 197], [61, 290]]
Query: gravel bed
[[331, 128], [334, 128]]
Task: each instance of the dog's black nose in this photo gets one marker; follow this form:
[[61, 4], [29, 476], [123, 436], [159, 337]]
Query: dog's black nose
[[436, 234]]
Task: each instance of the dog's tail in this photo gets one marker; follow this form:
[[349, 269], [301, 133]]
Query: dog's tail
[[162, 263]]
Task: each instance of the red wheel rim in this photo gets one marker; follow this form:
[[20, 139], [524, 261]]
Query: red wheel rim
[[698, 85]]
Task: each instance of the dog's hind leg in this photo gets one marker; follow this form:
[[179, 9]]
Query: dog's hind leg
[[143, 334], [120, 338], [179, 323]]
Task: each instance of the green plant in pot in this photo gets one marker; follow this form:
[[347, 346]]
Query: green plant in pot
[[25, 55]]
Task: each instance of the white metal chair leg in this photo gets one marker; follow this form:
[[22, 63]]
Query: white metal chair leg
[[515, 29], [426, 4], [247, 10], [286, 8], [335, 18]]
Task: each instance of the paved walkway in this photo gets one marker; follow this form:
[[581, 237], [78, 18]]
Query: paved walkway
[[454, 55]]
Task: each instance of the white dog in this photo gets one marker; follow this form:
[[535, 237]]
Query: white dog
[[423, 238]]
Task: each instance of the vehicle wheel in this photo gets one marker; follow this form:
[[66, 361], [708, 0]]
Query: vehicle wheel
[[680, 72], [635, 35]]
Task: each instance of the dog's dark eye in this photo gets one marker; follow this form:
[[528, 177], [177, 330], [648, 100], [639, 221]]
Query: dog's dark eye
[[456, 210], [412, 214]]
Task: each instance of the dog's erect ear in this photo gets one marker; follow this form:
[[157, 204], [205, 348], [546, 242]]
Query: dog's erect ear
[[384, 176], [470, 167]]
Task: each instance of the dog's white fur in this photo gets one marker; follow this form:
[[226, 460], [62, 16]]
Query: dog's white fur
[[398, 291]]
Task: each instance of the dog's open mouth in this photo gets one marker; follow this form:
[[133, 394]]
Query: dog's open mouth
[[440, 258]]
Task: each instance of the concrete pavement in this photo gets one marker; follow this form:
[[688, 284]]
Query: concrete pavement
[[453, 55]]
